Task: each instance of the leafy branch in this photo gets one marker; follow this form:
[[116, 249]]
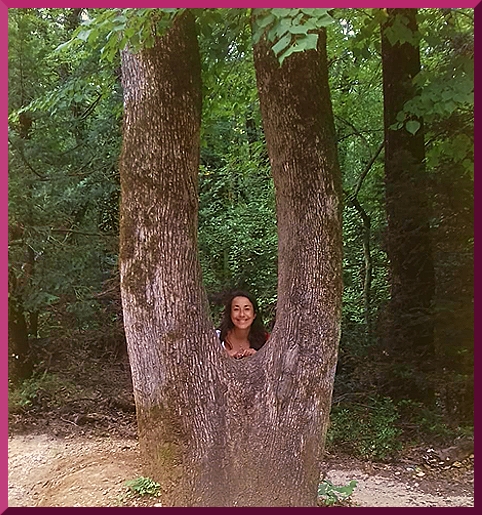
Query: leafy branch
[[290, 30]]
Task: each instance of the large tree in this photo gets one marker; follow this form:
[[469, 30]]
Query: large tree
[[216, 431], [410, 330]]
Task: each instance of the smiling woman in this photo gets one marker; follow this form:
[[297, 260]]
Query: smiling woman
[[241, 330]]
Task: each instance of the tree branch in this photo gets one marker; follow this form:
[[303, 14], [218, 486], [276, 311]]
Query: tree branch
[[367, 169], [25, 161]]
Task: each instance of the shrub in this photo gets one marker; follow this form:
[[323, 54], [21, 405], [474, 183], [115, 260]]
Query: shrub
[[40, 390], [366, 430], [144, 486], [429, 423], [329, 494]]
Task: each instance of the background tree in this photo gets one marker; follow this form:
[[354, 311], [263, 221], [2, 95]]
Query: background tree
[[63, 179], [409, 338]]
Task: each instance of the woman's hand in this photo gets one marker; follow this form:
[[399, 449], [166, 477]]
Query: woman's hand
[[245, 353]]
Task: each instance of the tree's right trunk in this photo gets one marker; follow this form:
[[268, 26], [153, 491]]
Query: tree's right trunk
[[300, 136]]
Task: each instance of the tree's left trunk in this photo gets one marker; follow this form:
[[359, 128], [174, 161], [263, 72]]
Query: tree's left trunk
[[179, 398], [410, 332]]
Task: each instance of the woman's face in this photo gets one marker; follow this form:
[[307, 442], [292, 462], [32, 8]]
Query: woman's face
[[242, 312]]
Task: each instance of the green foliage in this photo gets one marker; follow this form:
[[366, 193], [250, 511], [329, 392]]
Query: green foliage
[[41, 388], [366, 430], [445, 85], [290, 30], [62, 169], [237, 220], [400, 32], [429, 424], [115, 29], [144, 486], [329, 494], [237, 231]]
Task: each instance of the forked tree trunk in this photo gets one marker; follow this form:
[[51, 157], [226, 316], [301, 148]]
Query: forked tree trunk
[[216, 431], [410, 334]]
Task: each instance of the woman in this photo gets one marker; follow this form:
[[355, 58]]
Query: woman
[[241, 330]]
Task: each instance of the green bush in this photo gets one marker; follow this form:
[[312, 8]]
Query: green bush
[[329, 494], [41, 389], [144, 486], [367, 431], [429, 424]]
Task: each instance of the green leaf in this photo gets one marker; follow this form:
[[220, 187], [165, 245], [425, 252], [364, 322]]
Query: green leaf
[[84, 35], [396, 126], [282, 44], [299, 29], [65, 45], [281, 13], [291, 50], [264, 21], [282, 28], [309, 42], [412, 126], [324, 21]]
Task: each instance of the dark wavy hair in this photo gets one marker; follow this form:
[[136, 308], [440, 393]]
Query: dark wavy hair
[[257, 334]]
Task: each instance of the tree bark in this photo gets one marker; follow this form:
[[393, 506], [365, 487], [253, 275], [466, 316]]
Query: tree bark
[[171, 343], [216, 431], [410, 324], [301, 359]]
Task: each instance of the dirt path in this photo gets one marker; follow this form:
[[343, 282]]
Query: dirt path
[[82, 471]]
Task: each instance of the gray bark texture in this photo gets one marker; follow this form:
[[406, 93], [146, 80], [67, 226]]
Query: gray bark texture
[[215, 431]]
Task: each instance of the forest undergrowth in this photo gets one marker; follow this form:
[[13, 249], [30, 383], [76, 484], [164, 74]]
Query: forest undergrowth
[[81, 403]]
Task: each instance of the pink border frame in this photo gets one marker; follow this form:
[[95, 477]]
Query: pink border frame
[[4, 169]]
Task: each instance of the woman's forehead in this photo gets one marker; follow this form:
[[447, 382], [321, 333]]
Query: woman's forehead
[[241, 301]]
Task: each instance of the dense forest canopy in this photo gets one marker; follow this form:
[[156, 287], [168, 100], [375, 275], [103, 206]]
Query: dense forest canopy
[[64, 136]]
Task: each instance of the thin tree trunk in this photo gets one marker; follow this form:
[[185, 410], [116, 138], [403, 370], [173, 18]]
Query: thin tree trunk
[[368, 268], [410, 327]]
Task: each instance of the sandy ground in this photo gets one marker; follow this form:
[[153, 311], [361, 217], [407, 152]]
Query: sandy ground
[[75, 470]]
